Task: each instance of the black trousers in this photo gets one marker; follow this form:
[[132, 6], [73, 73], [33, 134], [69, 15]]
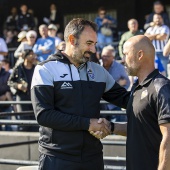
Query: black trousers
[[47, 162]]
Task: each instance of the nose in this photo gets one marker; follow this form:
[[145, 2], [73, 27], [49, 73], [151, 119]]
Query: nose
[[93, 49]]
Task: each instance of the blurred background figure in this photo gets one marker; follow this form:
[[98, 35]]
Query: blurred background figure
[[132, 25], [44, 45], [106, 25], [25, 20], [11, 39], [3, 49], [20, 82], [52, 32], [158, 8], [36, 22], [61, 46], [11, 20], [159, 34], [118, 72], [166, 52], [6, 65], [159, 66], [54, 17], [5, 94], [28, 43]]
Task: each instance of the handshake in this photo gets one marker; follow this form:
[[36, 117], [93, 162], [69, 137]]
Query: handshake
[[100, 128]]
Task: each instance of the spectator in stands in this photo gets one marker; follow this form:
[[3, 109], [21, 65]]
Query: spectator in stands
[[61, 46], [11, 20], [4, 93], [159, 34], [3, 49], [158, 8], [11, 39], [118, 72], [166, 52], [45, 45], [22, 36], [54, 17], [132, 25], [25, 20], [31, 11], [30, 37], [159, 66], [6, 65], [106, 25], [52, 32], [20, 82]]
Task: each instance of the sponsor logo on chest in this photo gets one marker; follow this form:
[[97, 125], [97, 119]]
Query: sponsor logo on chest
[[66, 85]]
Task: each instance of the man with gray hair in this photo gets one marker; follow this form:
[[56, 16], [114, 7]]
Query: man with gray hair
[[133, 30], [45, 45], [118, 72]]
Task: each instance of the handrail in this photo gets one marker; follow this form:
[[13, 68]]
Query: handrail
[[18, 162], [24, 162], [18, 143], [29, 102], [28, 113], [19, 122]]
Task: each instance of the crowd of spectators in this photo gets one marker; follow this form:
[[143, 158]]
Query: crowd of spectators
[[34, 42]]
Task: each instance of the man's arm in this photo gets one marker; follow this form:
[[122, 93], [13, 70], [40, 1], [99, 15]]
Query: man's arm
[[120, 129], [3, 53], [166, 49], [164, 151], [43, 99], [43, 103], [161, 36], [151, 37]]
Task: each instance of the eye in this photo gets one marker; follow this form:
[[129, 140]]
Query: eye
[[89, 43]]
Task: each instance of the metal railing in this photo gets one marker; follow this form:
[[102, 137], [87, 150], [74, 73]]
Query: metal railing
[[107, 159]]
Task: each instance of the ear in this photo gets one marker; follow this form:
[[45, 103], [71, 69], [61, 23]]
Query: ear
[[114, 53], [140, 54], [71, 39]]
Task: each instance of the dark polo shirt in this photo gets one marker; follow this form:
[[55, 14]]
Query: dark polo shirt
[[148, 107]]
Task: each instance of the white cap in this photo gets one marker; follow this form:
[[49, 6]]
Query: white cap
[[21, 35], [52, 27]]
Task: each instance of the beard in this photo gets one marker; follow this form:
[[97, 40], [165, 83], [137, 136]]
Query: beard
[[132, 71], [80, 59]]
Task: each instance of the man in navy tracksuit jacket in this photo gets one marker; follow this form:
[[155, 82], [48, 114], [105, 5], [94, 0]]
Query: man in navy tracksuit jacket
[[66, 94]]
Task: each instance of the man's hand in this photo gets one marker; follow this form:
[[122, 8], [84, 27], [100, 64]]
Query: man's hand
[[105, 129], [22, 87]]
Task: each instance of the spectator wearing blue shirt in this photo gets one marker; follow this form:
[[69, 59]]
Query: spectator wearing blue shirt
[[119, 74], [45, 45], [106, 25], [159, 66]]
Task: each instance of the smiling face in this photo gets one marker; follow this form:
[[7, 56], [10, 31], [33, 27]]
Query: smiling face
[[84, 46]]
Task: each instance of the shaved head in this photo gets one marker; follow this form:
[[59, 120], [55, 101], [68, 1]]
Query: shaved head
[[139, 54], [141, 42]]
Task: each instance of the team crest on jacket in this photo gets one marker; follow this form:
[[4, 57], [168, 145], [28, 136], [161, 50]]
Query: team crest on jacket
[[91, 74]]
